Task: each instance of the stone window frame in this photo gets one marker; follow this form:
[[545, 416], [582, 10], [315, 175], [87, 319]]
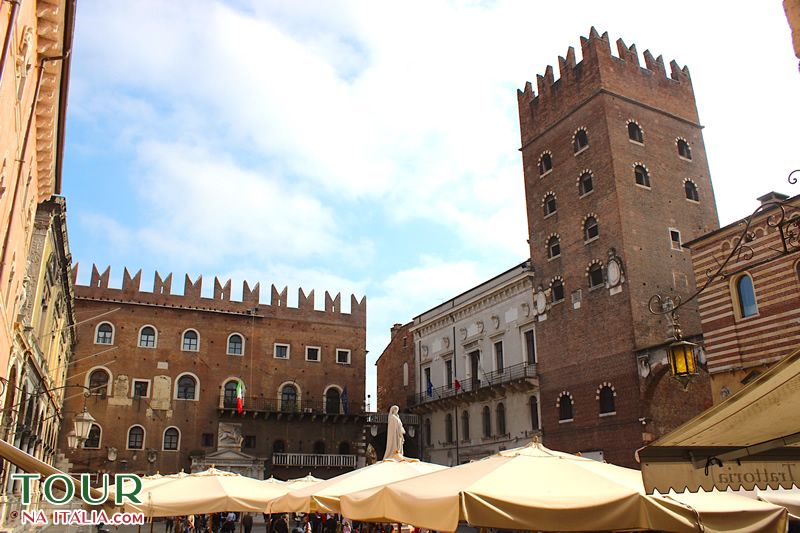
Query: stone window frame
[[678, 141], [552, 293], [231, 379], [628, 131], [579, 182], [284, 345], [325, 397], [565, 394], [128, 437], [319, 354], [672, 241], [108, 384], [140, 380], [545, 202], [609, 386], [349, 356], [183, 340], [228, 344], [583, 227], [648, 182], [595, 263], [196, 387], [582, 149], [298, 397], [164, 440], [539, 163], [99, 441], [696, 190], [139, 337], [113, 333], [548, 248], [736, 296]]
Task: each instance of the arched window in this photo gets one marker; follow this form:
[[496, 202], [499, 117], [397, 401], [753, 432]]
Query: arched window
[[235, 344], [557, 288], [581, 140], [691, 191], [278, 447], [585, 185], [191, 341], [607, 400], [641, 175], [487, 421], [187, 388], [93, 442], [590, 229], [289, 398], [319, 447], [147, 337], [98, 382], [565, 407], [465, 425], [549, 204], [545, 163], [635, 132], [534, 405], [428, 437], [344, 448], [171, 439], [136, 438], [105, 334], [501, 419], [595, 275], [333, 401], [553, 247], [746, 296], [683, 149], [448, 427], [229, 394]]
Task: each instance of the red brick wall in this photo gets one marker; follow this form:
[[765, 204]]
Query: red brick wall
[[398, 352]]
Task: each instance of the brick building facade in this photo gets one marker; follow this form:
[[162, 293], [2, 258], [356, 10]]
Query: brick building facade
[[396, 370], [164, 370], [751, 317], [616, 179]]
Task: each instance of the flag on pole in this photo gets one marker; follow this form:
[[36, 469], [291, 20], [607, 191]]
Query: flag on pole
[[345, 402], [458, 385], [239, 398], [430, 388]]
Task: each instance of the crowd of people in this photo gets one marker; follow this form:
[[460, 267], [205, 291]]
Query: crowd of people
[[275, 523]]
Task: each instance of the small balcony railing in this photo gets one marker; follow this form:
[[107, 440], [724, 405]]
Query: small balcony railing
[[383, 418], [484, 380], [322, 460]]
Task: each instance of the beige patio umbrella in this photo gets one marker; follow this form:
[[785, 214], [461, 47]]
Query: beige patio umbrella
[[210, 491], [324, 496], [728, 511], [273, 488], [785, 498], [528, 488]]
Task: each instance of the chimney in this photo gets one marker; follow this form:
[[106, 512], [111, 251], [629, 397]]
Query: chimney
[[395, 329], [772, 197]]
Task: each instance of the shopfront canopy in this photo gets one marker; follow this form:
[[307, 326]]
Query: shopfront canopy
[[534, 488], [751, 439]]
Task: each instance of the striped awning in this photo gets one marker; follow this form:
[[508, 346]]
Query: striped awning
[[752, 439]]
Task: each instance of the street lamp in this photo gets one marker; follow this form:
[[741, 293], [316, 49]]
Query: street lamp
[[83, 425], [682, 363], [72, 440]]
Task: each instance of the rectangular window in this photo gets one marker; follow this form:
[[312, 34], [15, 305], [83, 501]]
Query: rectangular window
[[427, 373], [249, 441], [675, 238], [530, 347], [281, 351], [342, 356], [448, 373], [498, 357], [141, 388], [208, 440], [312, 353]]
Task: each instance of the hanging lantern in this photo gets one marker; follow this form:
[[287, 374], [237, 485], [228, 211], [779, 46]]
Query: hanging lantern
[[83, 425], [682, 362], [72, 440]]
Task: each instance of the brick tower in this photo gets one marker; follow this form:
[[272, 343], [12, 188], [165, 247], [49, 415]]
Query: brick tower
[[616, 179]]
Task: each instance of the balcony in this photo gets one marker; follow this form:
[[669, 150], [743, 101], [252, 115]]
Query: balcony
[[278, 408], [383, 418], [314, 460], [517, 377]]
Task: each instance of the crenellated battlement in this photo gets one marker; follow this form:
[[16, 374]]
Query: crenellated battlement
[[599, 71], [162, 295]]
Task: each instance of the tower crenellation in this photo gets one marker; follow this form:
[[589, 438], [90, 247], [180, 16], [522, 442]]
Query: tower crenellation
[[130, 291], [599, 70]]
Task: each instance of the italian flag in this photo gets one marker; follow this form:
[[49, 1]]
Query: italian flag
[[239, 398]]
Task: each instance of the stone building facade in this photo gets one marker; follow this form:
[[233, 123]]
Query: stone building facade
[[751, 316], [396, 370], [164, 370], [616, 179], [476, 381], [34, 391], [34, 76]]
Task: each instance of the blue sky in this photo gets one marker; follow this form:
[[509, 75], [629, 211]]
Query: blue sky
[[370, 147]]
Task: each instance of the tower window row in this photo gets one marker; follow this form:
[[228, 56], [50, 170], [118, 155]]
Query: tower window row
[[605, 396], [580, 142], [595, 277]]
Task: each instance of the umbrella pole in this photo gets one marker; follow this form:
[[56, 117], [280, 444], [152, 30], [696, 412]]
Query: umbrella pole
[[151, 524]]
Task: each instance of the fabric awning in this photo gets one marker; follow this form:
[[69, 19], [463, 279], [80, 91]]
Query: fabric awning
[[751, 439]]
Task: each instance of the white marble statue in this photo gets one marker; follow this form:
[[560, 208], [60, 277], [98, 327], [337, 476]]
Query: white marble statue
[[394, 434]]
